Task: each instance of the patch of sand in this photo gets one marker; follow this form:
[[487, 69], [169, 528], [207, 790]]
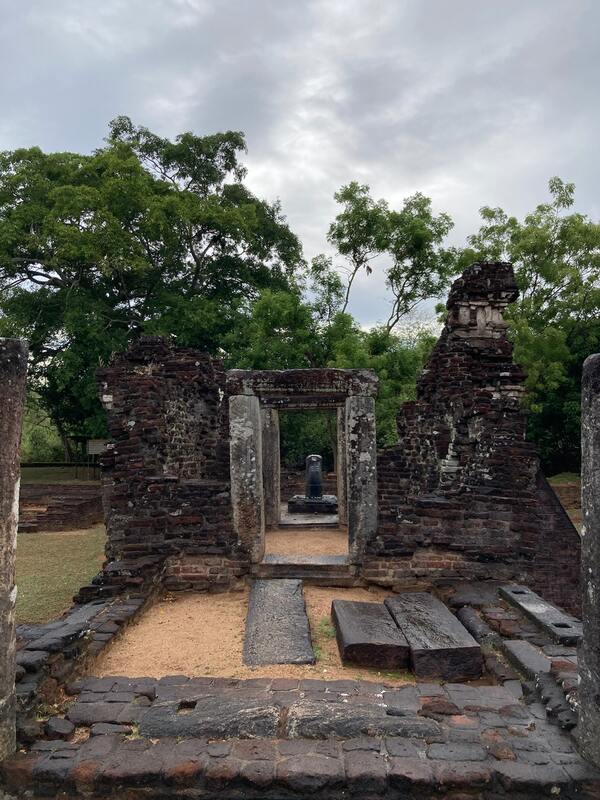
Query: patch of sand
[[203, 634], [307, 541]]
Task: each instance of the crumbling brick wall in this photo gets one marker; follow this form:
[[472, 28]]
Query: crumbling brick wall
[[165, 476], [461, 493]]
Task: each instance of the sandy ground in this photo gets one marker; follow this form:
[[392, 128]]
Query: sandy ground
[[307, 541], [203, 634]]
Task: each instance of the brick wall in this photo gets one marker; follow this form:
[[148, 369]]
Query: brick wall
[[165, 476], [462, 483]]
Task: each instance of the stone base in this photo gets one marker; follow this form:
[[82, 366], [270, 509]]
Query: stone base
[[299, 504], [330, 740]]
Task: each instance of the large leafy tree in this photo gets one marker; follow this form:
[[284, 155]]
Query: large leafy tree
[[407, 243], [556, 322], [144, 235]]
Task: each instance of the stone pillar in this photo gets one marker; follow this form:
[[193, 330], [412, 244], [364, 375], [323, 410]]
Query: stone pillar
[[342, 477], [361, 465], [589, 649], [246, 474], [13, 369], [271, 464]]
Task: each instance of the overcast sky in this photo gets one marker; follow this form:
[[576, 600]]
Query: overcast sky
[[472, 102]]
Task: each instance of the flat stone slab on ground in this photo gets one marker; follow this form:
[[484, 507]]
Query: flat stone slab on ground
[[525, 657], [321, 719], [367, 635], [441, 647], [247, 714], [277, 629], [310, 560], [564, 628]]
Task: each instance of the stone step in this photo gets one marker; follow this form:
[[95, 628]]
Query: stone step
[[440, 645], [277, 628], [307, 524], [315, 570]]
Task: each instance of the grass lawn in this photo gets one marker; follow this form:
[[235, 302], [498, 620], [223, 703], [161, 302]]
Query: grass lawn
[[81, 474], [565, 477], [51, 567]]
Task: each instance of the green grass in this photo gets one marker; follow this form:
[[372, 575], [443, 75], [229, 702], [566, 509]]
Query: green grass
[[51, 567], [325, 628], [565, 477], [56, 475]]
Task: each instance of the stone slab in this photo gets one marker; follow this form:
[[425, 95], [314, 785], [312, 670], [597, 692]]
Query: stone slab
[[441, 647], [309, 719], [525, 657], [564, 628], [367, 635], [318, 560], [299, 504], [277, 629], [218, 715]]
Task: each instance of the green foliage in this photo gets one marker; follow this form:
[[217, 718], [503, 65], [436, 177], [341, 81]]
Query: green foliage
[[306, 432], [556, 322], [409, 242], [286, 332], [39, 439], [144, 235]]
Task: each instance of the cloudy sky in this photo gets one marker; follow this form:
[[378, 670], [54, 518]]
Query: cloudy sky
[[470, 101]]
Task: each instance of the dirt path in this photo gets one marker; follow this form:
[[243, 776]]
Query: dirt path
[[203, 634], [307, 542]]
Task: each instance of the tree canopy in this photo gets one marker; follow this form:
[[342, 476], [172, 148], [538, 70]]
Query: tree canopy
[[152, 235], [408, 242], [555, 324], [143, 235]]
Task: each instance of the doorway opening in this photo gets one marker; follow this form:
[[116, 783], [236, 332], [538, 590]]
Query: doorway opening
[[256, 399], [305, 526]]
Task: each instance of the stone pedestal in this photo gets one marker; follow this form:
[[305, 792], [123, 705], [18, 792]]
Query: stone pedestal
[[589, 651], [246, 474], [271, 464], [13, 369]]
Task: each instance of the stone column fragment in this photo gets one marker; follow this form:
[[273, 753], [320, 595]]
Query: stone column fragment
[[271, 464], [13, 370], [361, 465], [589, 650], [342, 477], [246, 474]]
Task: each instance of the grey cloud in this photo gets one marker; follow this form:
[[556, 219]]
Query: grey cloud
[[472, 103]]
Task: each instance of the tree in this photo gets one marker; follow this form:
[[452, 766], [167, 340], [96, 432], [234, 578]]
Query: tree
[[555, 324], [144, 235], [409, 242], [286, 331]]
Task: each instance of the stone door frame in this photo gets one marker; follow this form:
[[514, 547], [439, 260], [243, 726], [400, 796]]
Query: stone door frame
[[255, 399]]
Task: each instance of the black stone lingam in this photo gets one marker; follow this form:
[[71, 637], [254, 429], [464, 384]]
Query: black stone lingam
[[313, 501]]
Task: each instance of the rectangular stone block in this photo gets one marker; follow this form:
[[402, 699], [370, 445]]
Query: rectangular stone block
[[440, 646], [367, 635], [563, 627]]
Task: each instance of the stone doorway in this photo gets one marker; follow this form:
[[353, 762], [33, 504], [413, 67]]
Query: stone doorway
[[321, 429], [255, 400]]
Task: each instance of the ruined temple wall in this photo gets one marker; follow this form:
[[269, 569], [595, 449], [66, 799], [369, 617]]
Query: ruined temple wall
[[166, 483], [460, 495]]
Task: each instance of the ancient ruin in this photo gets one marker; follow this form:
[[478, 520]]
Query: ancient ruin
[[462, 492], [193, 475], [471, 563]]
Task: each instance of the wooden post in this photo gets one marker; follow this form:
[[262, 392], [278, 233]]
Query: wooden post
[[13, 371]]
